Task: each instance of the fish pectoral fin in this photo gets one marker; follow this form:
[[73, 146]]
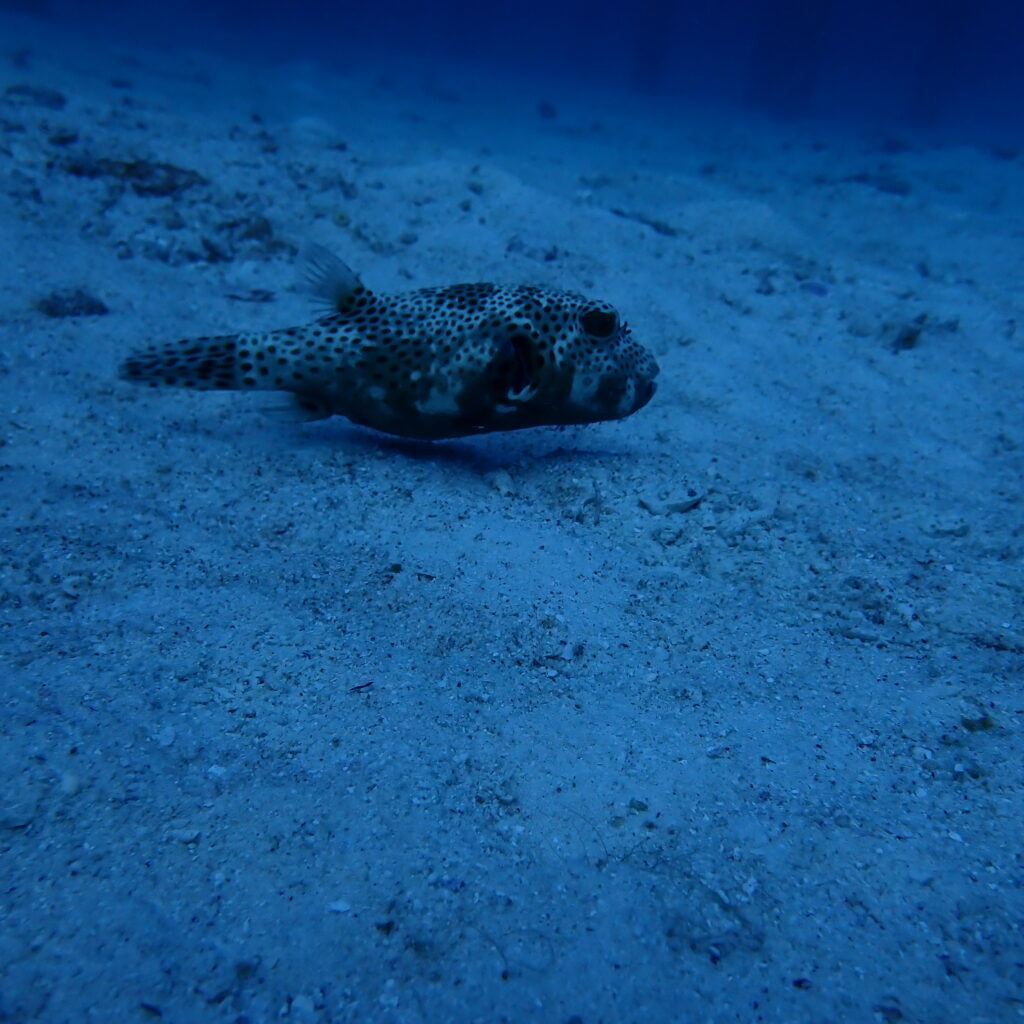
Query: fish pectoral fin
[[522, 396], [330, 280], [517, 368]]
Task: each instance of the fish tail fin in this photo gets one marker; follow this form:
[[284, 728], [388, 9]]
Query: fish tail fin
[[221, 363]]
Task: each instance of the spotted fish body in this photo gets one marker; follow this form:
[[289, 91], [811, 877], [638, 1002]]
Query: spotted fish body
[[430, 364]]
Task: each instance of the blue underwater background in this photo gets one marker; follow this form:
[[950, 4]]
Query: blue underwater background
[[928, 63], [711, 714]]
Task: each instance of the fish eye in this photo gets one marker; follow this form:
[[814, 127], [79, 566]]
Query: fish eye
[[600, 324]]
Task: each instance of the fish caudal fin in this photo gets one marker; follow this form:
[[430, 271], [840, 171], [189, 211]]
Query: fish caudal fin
[[204, 363]]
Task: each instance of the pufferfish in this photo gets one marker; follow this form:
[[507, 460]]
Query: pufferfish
[[429, 364]]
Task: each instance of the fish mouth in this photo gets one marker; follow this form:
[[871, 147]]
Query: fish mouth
[[644, 393]]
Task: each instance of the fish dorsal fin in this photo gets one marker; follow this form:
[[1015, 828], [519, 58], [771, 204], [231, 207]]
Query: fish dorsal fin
[[331, 281]]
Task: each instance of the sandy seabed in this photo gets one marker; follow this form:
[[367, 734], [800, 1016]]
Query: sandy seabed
[[713, 714]]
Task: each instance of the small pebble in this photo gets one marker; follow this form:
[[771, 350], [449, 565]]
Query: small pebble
[[70, 784], [35, 95], [501, 481], [71, 302], [188, 834], [302, 1008], [946, 526]]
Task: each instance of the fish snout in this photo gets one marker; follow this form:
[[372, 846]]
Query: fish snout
[[644, 381]]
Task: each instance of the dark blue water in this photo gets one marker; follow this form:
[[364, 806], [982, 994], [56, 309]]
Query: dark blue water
[[933, 63]]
